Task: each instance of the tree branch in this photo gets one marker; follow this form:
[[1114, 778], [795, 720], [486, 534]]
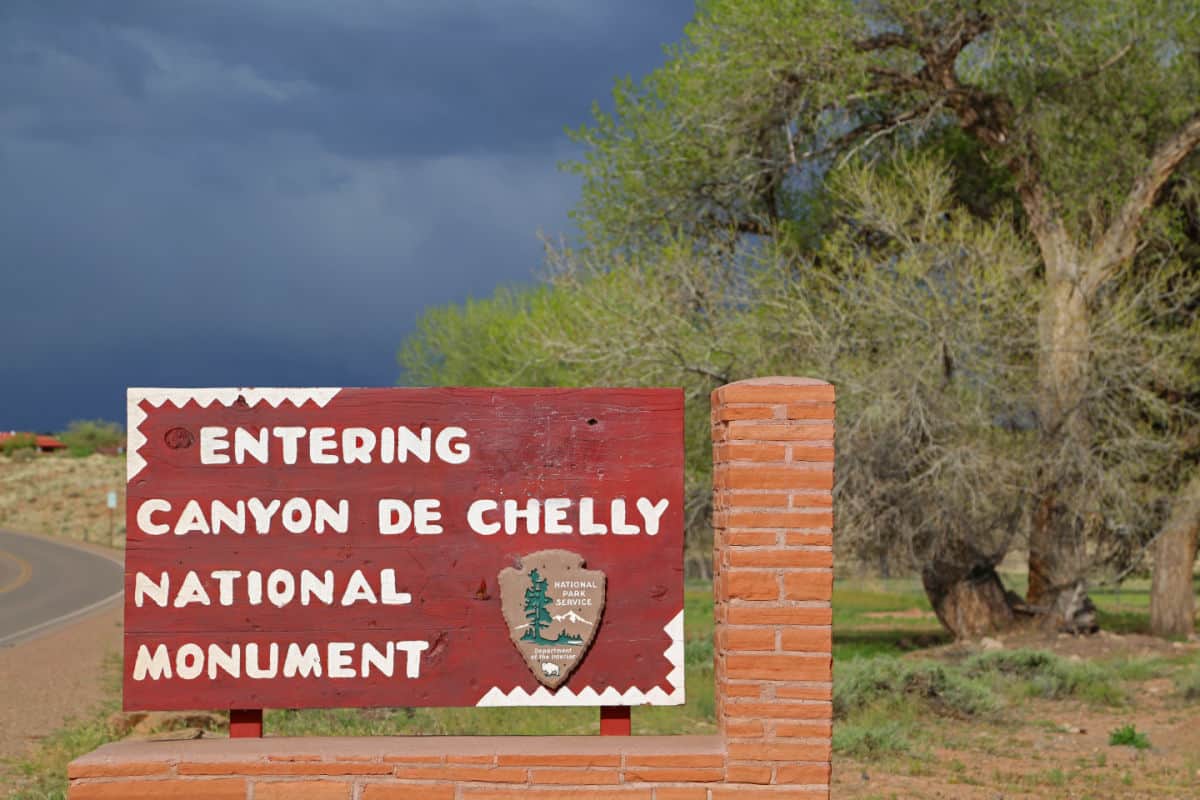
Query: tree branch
[[884, 41], [1087, 75], [1119, 242]]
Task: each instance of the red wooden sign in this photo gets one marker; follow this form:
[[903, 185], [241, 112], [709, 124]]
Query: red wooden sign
[[344, 547]]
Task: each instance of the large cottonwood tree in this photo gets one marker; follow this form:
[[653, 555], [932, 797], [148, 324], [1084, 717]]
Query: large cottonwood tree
[[1079, 114]]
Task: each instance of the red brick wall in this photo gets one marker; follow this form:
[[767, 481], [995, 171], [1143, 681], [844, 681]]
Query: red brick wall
[[773, 560]]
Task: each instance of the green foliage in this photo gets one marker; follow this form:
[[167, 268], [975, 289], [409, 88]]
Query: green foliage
[[908, 302], [21, 441], [1050, 676], [762, 97], [1050, 113], [1128, 736], [84, 437], [861, 683], [873, 735]]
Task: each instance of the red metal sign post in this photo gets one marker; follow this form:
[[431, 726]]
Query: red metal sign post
[[245, 723]]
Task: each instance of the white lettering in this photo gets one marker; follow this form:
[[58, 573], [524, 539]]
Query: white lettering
[[290, 436], [388, 595], [320, 442], [394, 517], [254, 668], [413, 649], [224, 579], [426, 513], [408, 443], [339, 660], [556, 513], [155, 666], [262, 514], [297, 515], [450, 451], [245, 443], [310, 585], [304, 662], [191, 591], [189, 661], [357, 444], [383, 661], [231, 662], [619, 526], [387, 445], [357, 589], [652, 513], [212, 442], [191, 520], [144, 587], [512, 513], [254, 587], [587, 518], [224, 515], [145, 524], [475, 517], [281, 587]]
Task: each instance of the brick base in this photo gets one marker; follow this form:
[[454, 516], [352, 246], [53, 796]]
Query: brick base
[[773, 568], [424, 768]]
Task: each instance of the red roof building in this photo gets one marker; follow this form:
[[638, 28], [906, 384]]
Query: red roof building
[[47, 444]]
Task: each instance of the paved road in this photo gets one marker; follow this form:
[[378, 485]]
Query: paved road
[[44, 583]]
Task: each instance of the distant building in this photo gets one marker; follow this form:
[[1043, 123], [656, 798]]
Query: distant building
[[46, 444]]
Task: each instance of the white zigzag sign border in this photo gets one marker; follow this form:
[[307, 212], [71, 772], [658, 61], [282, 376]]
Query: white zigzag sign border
[[610, 696], [274, 397]]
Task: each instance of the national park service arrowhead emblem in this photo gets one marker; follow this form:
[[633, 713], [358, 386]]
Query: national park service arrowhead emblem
[[553, 607]]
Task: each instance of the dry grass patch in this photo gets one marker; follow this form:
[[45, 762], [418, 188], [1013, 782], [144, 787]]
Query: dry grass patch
[[56, 495]]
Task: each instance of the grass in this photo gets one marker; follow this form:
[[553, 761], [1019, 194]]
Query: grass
[[56, 495], [1128, 736], [42, 775], [1188, 683], [941, 688], [1035, 673], [861, 631]]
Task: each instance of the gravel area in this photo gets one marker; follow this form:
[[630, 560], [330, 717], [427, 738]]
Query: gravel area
[[53, 677]]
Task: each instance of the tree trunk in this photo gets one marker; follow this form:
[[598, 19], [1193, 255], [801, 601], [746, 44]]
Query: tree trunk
[[1172, 598], [1057, 542], [971, 606]]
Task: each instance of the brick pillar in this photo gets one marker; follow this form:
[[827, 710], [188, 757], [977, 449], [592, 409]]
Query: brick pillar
[[773, 579]]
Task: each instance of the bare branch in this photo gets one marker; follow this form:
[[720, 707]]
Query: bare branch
[[921, 113]]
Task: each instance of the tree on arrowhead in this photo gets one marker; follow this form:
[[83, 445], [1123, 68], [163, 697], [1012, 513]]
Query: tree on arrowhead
[[536, 603]]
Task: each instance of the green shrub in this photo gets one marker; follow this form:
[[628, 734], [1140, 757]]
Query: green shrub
[[14, 444], [1128, 736], [23, 455], [871, 737], [945, 690], [1047, 675], [84, 437]]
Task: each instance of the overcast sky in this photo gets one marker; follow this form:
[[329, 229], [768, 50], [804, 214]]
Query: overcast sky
[[268, 192]]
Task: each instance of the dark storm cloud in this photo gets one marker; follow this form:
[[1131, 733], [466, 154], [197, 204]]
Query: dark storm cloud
[[236, 192], [368, 79]]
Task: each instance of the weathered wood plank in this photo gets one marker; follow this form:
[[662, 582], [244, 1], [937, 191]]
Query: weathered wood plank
[[605, 447]]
